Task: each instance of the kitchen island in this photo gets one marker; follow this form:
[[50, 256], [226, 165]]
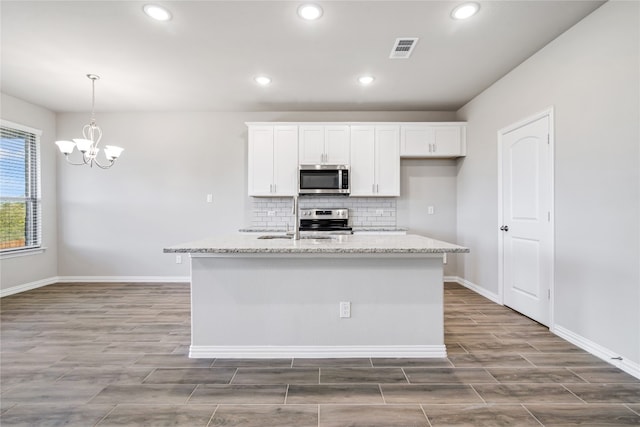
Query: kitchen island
[[344, 296]]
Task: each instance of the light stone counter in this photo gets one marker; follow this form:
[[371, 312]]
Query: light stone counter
[[340, 244], [355, 229]]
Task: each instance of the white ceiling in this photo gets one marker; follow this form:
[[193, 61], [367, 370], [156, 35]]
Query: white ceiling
[[205, 58]]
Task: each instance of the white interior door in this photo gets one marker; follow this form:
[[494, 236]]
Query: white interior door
[[526, 230]]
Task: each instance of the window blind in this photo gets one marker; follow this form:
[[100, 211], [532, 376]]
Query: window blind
[[20, 211]]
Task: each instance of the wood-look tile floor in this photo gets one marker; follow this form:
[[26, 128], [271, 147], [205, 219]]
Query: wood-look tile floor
[[116, 355]]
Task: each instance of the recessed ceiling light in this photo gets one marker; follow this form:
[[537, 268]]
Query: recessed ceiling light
[[156, 12], [310, 11], [465, 10], [365, 80], [263, 80]]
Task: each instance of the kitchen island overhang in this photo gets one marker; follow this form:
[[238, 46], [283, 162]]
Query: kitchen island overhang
[[253, 298]]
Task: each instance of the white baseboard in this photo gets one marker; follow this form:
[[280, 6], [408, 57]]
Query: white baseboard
[[92, 279], [124, 279], [28, 286], [477, 289], [597, 350], [271, 352]]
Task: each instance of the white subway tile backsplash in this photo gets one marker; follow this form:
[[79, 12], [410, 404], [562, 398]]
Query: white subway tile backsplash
[[363, 212]]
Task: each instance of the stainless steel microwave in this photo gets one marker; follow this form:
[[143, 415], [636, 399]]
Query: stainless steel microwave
[[323, 180]]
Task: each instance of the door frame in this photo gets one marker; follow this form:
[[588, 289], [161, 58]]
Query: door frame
[[548, 112]]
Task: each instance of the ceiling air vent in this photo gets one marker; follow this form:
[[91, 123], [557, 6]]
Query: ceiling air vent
[[403, 47]]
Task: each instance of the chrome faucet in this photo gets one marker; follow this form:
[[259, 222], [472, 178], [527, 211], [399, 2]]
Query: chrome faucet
[[296, 218]]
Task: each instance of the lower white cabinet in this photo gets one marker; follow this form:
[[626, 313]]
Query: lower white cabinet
[[273, 160], [375, 161], [433, 140]]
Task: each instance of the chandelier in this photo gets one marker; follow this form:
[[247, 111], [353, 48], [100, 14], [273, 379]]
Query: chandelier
[[88, 145]]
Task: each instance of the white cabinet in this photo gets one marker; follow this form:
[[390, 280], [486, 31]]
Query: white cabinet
[[273, 160], [375, 161], [433, 140], [324, 144]]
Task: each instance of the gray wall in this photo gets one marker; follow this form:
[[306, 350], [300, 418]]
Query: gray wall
[[590, 75], [425, 183], [115, 222], [31, 268]]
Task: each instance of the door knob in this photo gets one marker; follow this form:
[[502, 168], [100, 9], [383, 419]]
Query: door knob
[[504, 228]]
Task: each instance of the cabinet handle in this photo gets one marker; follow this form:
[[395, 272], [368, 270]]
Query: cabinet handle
[[275, 186], [270, 188], [435, 147], [377, 188]]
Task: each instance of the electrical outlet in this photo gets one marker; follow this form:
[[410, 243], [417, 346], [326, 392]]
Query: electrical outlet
[[430, 210], [379, 212], [345, 309], [271, 213], [178, 259], [209, 198]]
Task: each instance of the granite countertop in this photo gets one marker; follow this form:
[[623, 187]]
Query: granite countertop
[[354, 244], [283, 230]]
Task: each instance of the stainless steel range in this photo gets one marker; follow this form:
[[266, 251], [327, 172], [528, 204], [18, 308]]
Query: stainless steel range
[[325, 221]]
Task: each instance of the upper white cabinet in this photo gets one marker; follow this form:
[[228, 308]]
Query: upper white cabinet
[[375, 161], [273, 160], [324, 144], [371, 149], [439, 140]]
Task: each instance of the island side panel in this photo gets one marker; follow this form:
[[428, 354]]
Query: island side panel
[[242, 305]]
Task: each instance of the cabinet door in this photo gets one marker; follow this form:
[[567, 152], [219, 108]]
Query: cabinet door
[[447, 141], [362, 172], [336, 142], [311, 144], [416, 141], [285, 161], [260, 161], [387, 158]]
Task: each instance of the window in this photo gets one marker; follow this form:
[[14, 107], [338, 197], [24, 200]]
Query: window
[[19, 188]]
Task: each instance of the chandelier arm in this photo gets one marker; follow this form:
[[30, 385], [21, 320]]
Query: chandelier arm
[[87, 159], [84, 162], [111, 162]]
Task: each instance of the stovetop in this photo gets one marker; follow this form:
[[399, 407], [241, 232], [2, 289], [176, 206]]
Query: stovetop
[[325, 220]]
